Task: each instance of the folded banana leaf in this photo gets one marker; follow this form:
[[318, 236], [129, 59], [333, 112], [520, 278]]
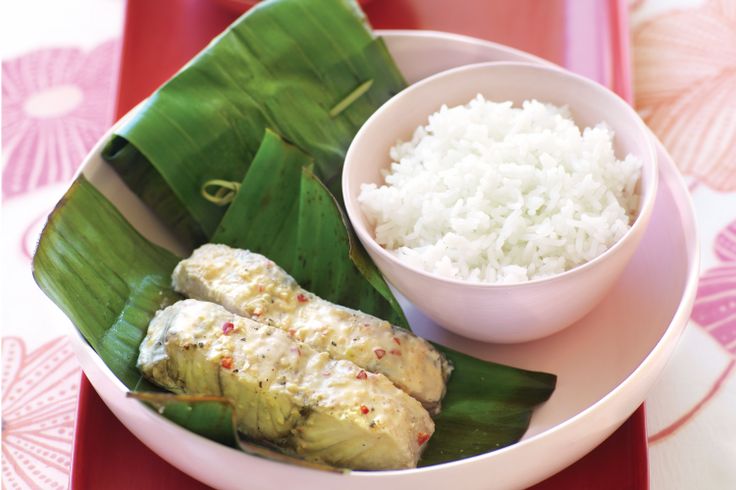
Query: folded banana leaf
[[283, 211], [110, 281], [309, 69], [265, 211]]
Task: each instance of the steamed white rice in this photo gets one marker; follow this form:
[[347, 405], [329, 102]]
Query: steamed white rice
[[488, 192]]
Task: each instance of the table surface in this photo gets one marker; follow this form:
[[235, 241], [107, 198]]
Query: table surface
[[59, 81]]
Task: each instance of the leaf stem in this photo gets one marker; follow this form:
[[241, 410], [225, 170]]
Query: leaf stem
[[351, 97]]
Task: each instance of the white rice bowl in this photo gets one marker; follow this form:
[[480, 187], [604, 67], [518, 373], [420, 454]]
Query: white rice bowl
[[492, 193]]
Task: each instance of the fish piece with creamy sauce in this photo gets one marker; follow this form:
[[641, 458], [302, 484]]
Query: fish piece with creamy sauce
[[284, 391], [253, 286]]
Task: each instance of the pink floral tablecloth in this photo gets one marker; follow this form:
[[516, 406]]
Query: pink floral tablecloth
[[58, 85]]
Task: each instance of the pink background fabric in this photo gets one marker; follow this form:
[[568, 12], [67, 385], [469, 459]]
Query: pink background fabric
[[56, 105], [58, 99], [684, 71]]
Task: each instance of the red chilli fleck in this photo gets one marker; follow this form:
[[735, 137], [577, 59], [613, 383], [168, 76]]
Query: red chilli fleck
[[301, 298], [261, 288], [398, 342], [422, 437], [379, 353], [227, 328], [226, 362], [395, 352], [362, 375], [364, 410], [292, 332]]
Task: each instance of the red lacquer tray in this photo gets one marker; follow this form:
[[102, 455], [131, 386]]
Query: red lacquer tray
[[587, 36]]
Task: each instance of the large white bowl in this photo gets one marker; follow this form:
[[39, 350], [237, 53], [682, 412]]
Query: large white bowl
[[500, 312], [605, 363]]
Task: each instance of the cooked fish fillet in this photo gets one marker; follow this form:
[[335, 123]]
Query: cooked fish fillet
[[250, 285], [284, 391]]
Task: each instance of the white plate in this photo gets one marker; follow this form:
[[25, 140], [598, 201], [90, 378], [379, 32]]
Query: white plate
[[605, 363]]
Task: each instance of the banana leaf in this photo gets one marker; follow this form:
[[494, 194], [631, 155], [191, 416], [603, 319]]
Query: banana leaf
[[210, 416], [330, 260], [265, 211], [309, 69], [110, 281], [284, 211]]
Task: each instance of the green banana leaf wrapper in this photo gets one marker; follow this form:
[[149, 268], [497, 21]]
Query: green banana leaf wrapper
[[280, 73], [285, 65]]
